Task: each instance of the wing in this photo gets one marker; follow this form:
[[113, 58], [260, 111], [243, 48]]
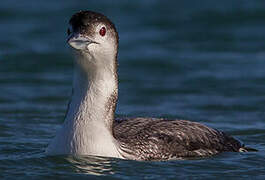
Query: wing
[[160, 139]]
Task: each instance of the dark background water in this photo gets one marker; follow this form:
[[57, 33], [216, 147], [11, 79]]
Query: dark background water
[[197, 60]]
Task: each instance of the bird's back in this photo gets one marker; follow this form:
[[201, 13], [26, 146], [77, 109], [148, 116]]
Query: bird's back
[[160, 139]]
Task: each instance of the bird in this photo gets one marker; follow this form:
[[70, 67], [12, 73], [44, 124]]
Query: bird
[[90, 126]]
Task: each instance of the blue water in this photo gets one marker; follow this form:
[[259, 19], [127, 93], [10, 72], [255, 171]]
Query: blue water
[[198, 60]]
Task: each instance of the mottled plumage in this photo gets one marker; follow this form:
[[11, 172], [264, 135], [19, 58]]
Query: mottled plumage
[[160, 139]]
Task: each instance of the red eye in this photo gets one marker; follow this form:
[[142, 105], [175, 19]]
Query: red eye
[[102, 31]]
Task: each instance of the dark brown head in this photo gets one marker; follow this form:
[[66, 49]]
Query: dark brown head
[[93, 33]]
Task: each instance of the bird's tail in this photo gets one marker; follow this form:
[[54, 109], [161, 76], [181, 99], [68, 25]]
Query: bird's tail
[[247, 149]]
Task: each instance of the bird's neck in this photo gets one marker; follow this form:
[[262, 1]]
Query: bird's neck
[[95, 92], [87, 128]]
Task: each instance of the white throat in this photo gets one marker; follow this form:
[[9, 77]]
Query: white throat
[[87, 128], [94, 85]]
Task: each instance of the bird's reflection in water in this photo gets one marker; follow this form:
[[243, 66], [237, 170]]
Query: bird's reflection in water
[[93, 165]]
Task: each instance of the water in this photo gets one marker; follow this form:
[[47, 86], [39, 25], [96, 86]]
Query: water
[[201, 61]]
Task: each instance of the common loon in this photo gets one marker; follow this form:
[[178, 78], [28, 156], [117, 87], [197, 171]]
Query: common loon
[[90, 126]]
